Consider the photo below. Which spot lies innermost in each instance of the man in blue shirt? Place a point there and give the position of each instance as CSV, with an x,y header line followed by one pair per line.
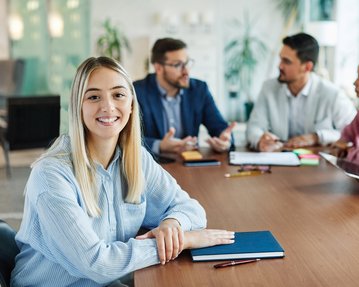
x,y
173,105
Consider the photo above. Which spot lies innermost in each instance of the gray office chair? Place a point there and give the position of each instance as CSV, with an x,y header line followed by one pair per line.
x,y
5,146
11,82
8,252
11,76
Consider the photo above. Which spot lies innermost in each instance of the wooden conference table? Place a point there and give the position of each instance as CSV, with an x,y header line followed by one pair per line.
x,y
313,211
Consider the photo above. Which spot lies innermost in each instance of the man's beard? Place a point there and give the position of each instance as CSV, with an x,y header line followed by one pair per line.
x,y
176,83
280,80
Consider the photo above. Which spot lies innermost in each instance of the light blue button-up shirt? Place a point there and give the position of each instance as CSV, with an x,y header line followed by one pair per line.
x,y
61,245
171,115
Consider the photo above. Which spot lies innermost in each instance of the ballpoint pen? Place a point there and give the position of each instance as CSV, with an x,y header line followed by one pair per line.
x,y
232,263
244,173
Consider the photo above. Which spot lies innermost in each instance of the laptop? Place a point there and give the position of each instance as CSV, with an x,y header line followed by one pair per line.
x,y
349,168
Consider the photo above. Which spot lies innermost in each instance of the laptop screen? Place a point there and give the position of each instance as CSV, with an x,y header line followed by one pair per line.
x,y
349,167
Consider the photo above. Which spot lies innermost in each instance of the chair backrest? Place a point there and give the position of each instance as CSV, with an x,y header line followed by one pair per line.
x,y
11,76
8,251
11,79
32,121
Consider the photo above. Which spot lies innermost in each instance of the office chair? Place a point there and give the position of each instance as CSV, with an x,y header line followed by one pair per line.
x,y
11,80
11,76
31,122
8,251
5,147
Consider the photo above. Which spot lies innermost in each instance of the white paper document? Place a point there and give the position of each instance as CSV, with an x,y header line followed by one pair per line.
x,y
264,158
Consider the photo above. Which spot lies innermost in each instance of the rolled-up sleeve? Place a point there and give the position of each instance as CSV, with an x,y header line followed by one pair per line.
x,y
166,199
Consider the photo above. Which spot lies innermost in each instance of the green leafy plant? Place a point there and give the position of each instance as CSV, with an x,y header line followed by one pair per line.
x,y
242,54
292,10
112,42
293,15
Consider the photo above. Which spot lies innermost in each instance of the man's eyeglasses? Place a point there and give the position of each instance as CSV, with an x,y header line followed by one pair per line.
x,y
180,65
249,167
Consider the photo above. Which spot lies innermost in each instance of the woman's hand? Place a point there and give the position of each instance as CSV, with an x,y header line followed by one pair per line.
x,y
207,237
171,240
169,237
341,147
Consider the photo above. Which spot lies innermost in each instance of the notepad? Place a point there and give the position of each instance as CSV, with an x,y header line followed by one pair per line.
x,y
253,244
301,151
309,159
191,155
306,156
263,158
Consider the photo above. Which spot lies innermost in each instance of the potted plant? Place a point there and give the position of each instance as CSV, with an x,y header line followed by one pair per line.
x,y
292,12
293,15
242,53
112,42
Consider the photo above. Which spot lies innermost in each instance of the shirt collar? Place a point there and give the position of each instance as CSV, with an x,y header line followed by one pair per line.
x,y
163,91
303,92
116,157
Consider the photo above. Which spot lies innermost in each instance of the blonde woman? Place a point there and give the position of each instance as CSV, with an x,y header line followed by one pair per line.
x,y
88,196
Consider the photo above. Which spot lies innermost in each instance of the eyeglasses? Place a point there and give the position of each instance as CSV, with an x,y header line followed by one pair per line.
x,y
262,168
180,65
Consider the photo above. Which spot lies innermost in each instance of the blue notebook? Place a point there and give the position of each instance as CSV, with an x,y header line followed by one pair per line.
x,y
254,244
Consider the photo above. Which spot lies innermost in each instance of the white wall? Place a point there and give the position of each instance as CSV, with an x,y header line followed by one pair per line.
x,y
141,20
267,25
347,52
4,40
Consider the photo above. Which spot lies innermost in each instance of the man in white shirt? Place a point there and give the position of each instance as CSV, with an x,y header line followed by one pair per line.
x,y
298,109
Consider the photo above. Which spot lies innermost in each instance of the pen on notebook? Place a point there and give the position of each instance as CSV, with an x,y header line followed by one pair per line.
x,y
244,173
232,263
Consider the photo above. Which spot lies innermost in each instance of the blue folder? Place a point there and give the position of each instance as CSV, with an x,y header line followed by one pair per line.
x,y
253,244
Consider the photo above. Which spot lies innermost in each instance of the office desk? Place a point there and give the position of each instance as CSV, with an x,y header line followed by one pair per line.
x,y
312,211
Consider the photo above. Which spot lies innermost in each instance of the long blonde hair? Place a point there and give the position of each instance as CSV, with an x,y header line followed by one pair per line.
x,y
129,140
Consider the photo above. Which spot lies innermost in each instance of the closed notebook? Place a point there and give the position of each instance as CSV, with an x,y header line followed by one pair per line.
x,y
254,244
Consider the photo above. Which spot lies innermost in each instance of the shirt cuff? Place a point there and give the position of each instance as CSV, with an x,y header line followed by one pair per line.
x,y
156,146
320,136
327,136
183,220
